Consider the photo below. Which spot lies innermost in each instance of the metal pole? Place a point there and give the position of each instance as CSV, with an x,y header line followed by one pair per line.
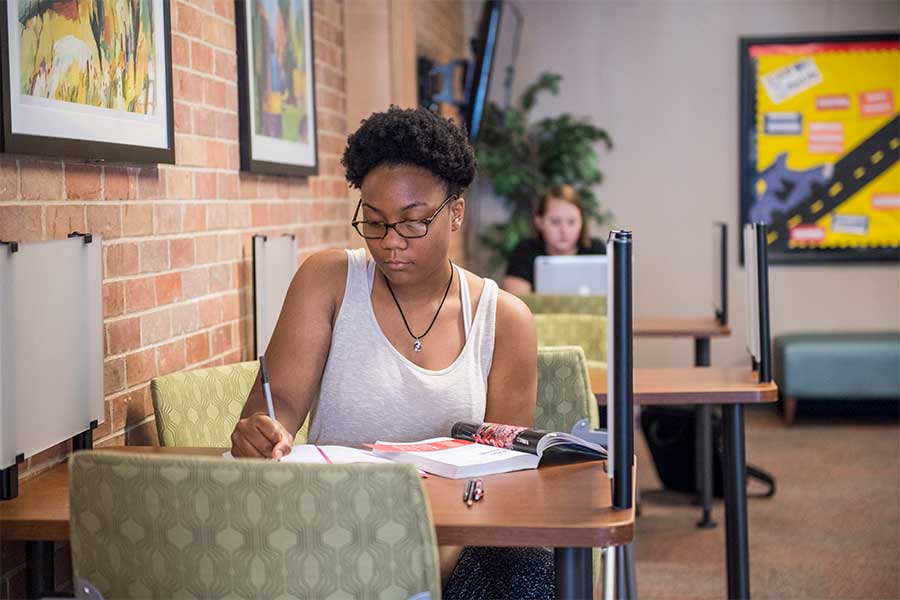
x,y
703,441
762,271
623,389
573,580
39,569
737,552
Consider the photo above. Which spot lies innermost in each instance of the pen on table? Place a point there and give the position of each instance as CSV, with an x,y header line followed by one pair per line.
x,y
267,389
467,495
478,493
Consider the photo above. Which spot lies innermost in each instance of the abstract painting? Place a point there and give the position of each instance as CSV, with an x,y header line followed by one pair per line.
x,y
88,79
277,88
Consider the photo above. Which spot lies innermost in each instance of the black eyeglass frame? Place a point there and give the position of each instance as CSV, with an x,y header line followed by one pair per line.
x,y
356,224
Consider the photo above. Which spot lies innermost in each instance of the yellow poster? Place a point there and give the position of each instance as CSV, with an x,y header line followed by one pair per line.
x,y
823,171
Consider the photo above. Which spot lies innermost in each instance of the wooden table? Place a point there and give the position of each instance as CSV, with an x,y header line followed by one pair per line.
x,y
701,329
565,506
732,388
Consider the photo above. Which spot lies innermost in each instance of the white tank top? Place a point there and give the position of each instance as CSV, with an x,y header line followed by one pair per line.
x,y
370,391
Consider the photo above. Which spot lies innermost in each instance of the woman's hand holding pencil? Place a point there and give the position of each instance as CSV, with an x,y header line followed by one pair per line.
x,y
260,435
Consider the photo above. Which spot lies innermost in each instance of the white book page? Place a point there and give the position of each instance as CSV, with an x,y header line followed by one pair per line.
x,y
322,455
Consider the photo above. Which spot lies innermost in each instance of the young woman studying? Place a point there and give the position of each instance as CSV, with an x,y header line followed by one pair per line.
x,y
400,346
560,229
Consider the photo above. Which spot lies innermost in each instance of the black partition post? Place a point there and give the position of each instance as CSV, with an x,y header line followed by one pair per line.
x,y
762,273
622,394
722,313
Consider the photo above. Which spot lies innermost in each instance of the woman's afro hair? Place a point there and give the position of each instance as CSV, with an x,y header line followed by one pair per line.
x,y
411,137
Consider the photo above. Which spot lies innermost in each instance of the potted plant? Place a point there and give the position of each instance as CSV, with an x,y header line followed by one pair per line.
x,y
524,159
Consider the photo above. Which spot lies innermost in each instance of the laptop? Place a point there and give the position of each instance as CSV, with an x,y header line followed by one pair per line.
x,y
582,275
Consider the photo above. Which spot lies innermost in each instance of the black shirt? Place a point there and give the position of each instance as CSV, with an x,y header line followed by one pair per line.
x,y
521,261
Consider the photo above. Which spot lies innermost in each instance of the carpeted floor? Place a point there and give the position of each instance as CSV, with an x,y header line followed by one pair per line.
x,y
831,531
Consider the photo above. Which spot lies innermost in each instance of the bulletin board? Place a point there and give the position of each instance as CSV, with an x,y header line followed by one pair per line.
x,y
819,145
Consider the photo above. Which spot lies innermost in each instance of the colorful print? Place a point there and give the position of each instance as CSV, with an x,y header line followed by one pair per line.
x,y
280,74
95,52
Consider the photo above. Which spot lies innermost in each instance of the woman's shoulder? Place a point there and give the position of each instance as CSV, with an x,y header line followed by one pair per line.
x,y
324,272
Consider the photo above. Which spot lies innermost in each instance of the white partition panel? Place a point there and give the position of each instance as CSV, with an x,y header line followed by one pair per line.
x,y
51,344
274,264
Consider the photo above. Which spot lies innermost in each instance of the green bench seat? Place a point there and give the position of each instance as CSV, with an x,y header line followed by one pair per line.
x,y
833,366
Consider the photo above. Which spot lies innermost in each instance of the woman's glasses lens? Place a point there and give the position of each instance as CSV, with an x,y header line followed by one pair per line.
x,y
407,229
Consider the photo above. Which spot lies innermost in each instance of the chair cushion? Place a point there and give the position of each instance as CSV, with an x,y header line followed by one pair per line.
x,y
562,303
838,365
587,331
564,390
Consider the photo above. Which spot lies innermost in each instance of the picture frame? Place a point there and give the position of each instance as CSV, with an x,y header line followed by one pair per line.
x,y
818,161
81,81
276,87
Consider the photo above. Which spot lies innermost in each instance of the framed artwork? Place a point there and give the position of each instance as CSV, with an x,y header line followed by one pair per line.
x,y
819,145
90,79
276,87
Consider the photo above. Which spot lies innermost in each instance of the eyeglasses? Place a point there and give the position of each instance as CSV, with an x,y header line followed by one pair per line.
x,y
376,230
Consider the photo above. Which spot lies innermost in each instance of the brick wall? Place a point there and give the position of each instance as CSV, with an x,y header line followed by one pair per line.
x,y
177,238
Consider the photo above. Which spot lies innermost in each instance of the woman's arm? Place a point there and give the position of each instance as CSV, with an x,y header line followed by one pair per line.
x,y
295,358
512,383
516,285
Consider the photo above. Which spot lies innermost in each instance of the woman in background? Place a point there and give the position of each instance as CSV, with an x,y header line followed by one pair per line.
x,y
560,229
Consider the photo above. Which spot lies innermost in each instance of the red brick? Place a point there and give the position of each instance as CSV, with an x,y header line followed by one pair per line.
x,y
124,335
226,125
230,246
249,186
113,299
167,218
148,183
41,180
168,288
181,114
179,184
121,259
219,33
195,217
131,407
170,357
206,249
239,216
137,219
190,151
226,65
180,50
211,311
231,307
201,57
139,294
188,20
117,184
113,375
219,278
217,216
105,220
187,86
154,256
214,92
9,178
220,339
217,154
227,185
182,253
259,215
205,185
185,318
156,326
195,283
20,223
63,219
197,348
204,121
234,157
83,182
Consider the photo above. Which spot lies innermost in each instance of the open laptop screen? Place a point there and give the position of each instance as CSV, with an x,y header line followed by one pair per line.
x,y
581,275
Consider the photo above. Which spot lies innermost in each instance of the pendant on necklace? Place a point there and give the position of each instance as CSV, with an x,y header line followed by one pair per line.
x,y
417,345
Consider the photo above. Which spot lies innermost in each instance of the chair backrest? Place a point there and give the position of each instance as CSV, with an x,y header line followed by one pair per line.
x,y
564,390
561,303
185,526
587,331
201,407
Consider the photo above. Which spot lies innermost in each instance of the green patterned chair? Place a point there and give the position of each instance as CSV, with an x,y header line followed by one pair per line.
x,y
201,407
570,304
200,527
587,331
564,389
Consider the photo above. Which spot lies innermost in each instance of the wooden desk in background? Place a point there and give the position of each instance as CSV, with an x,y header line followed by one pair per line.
x,y
701,329
732,388
567,507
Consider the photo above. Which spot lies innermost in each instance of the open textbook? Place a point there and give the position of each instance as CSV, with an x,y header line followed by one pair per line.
x,y
486,449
